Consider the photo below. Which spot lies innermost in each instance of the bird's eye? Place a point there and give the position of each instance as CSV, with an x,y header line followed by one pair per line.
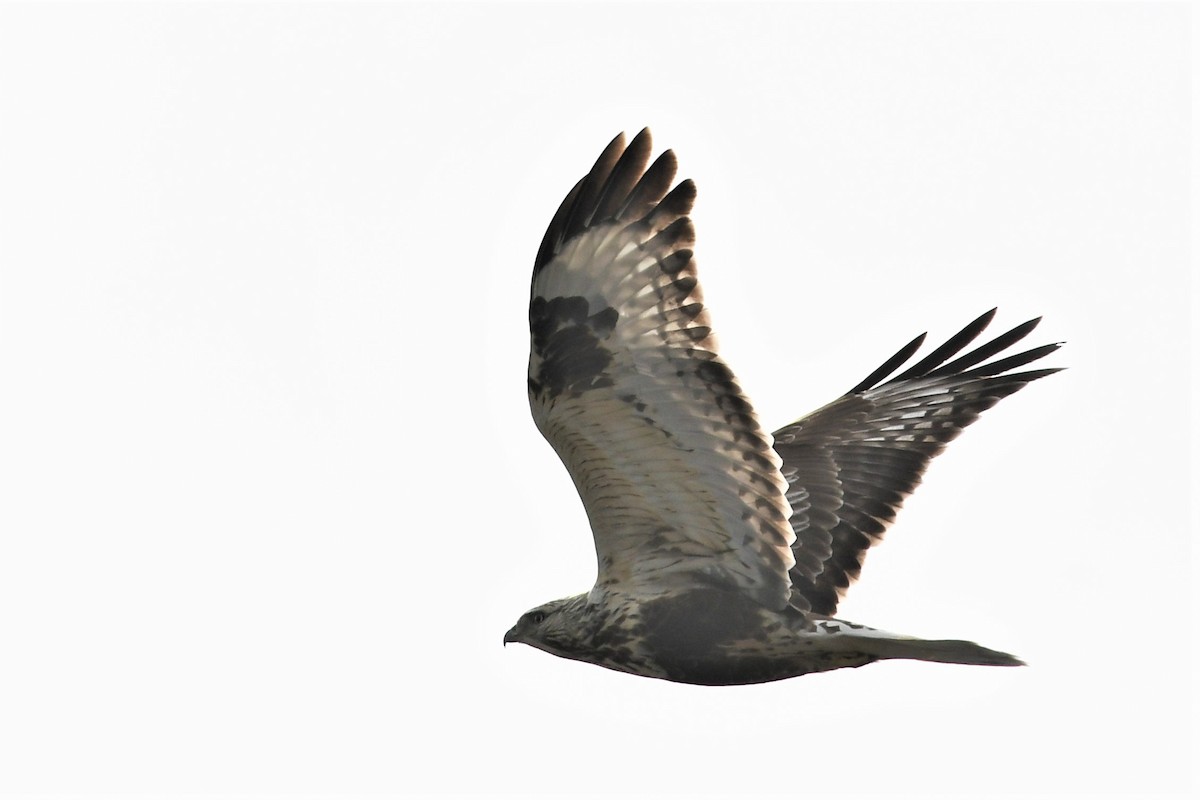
x,y
537,617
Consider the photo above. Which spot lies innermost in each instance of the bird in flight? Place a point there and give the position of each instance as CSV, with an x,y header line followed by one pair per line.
x,y
722,551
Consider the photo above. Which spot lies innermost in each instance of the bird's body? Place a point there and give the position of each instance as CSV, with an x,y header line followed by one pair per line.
x,y
722,551
718,637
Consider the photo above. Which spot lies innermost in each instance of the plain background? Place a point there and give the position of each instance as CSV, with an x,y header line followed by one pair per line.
x,y
271,494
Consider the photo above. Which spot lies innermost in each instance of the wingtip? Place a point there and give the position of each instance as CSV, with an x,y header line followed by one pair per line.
x,y
644,135
1027,327
642,139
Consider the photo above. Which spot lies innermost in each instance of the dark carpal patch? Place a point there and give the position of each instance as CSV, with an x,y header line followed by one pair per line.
x,y
568,338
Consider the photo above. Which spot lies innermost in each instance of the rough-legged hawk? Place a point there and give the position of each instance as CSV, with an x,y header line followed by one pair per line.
x,y
722,551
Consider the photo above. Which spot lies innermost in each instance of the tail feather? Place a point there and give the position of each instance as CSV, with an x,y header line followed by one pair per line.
x,y
946,651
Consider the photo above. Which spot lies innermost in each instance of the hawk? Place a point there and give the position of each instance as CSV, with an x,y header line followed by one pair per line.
x,y
722,551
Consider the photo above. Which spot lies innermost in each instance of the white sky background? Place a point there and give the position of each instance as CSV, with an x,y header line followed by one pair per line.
x,y
271,491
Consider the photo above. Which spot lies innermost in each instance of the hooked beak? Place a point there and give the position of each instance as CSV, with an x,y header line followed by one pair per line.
x,y
511,636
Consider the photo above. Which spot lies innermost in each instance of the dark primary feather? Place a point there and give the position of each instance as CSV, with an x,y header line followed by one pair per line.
x,y
618,187
850,465
952,346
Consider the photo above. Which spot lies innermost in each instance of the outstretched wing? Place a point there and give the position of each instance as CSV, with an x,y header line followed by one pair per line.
x,y
850,465
680,483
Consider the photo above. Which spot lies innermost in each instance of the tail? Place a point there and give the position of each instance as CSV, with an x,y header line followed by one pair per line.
x,y
945,651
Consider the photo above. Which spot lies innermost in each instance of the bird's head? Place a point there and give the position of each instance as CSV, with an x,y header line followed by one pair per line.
x,y
556,627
